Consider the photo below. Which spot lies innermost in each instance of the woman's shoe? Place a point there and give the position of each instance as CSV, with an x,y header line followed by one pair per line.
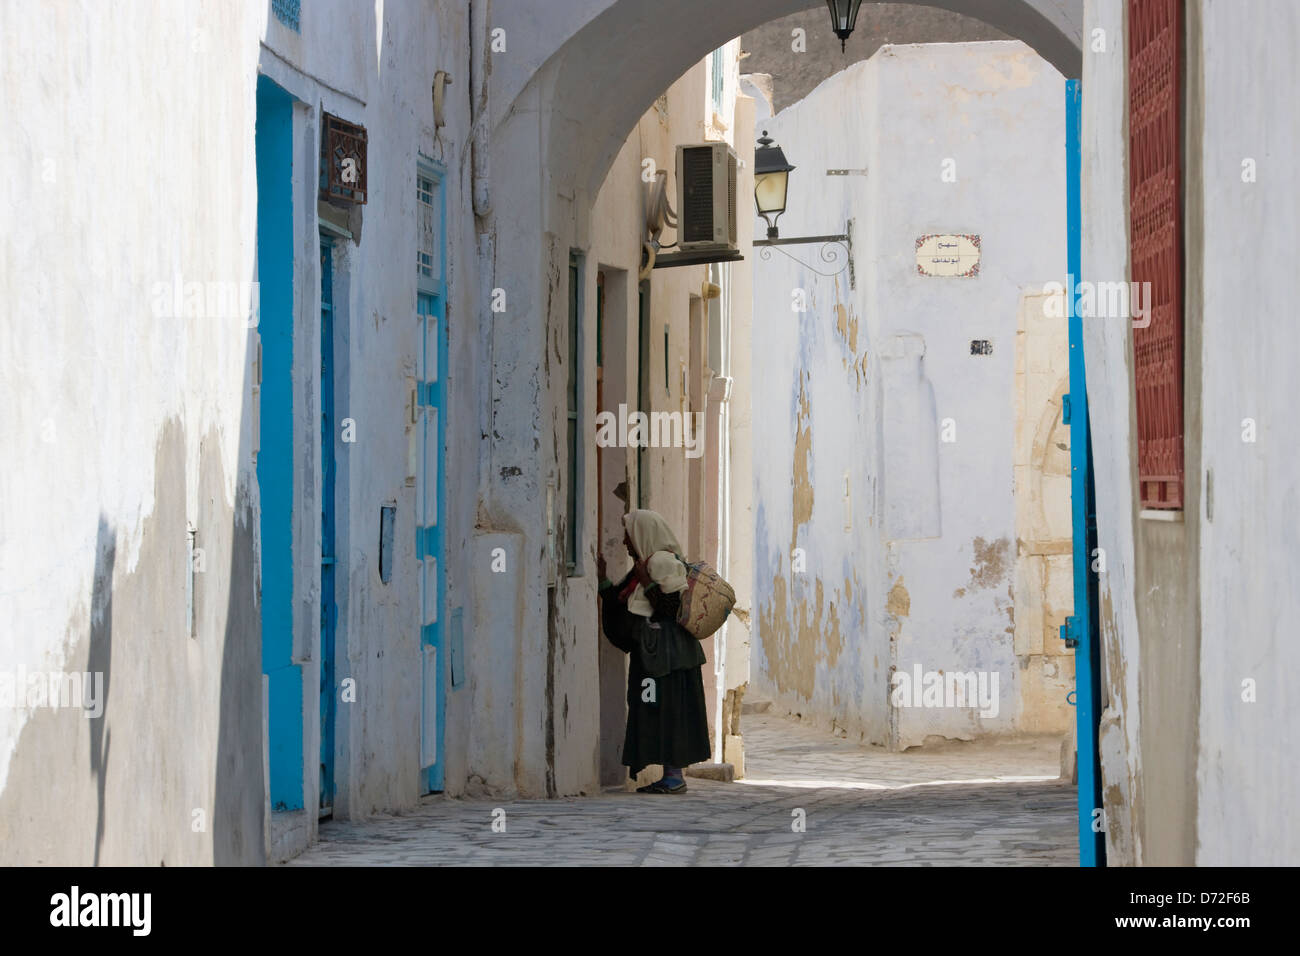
x,y
662,786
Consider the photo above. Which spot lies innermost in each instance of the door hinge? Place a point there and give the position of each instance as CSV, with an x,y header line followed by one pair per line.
x,y
1070,632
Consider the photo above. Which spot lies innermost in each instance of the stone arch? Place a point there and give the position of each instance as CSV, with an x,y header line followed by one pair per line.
x,y
571,83
607,67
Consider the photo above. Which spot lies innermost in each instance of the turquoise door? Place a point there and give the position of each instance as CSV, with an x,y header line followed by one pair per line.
x,y
328,605
274,148
430,315
1082,629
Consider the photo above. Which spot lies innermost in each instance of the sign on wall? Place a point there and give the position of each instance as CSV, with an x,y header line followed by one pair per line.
x,y
948,256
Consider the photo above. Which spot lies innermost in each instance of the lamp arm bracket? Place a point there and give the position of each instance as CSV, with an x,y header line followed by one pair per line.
x,y
829,253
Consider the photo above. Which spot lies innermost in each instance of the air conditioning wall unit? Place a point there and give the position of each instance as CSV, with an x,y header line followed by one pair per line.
x,y
706,198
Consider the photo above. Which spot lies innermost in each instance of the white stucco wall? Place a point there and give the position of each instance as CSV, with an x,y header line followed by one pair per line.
x,y
1247,781
132,425
914,564
1245,501
125,424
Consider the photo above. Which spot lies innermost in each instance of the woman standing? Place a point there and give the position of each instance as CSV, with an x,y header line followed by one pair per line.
x,y
667,718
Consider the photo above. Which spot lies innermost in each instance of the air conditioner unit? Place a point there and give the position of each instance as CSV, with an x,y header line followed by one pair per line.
x,y
706,197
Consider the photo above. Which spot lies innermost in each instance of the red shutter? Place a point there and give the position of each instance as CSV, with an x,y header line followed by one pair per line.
x,y
1156,234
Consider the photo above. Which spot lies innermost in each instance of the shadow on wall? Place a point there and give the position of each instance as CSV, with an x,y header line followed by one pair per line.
x,y
240,811
100,661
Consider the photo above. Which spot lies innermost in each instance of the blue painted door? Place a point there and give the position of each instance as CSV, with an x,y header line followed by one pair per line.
x,y
429,541
328,605
274,147
1081,630
430,315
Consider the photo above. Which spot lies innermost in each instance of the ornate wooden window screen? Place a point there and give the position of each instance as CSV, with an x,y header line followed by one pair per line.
x,y
1156,251
342,161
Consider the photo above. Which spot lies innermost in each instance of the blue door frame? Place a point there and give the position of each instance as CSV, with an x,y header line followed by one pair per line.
x,y
328,605
1081,630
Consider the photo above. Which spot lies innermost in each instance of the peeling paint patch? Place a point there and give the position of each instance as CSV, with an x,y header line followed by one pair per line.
x,y
801,466
800,633
991,562
846,323
899,603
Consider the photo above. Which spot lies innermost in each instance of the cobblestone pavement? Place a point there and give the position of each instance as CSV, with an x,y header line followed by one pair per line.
x,y
962,804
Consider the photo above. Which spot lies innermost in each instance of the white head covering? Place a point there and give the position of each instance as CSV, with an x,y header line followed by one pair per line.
x,y
653,540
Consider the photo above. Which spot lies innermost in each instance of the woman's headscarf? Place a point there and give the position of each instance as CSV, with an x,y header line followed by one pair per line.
x,y
655,542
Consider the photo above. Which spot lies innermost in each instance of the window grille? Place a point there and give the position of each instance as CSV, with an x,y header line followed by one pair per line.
x,y
427,228
342,161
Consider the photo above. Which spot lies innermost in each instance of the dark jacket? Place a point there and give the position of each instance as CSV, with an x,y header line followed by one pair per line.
x,y
667,718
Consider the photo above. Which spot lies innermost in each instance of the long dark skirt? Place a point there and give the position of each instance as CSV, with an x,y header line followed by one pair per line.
x,y
670,726
674,728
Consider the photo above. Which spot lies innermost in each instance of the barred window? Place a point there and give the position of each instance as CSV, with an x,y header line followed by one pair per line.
x,y
427,221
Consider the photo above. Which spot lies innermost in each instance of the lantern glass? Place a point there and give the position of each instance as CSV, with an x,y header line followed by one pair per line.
x,y
769,192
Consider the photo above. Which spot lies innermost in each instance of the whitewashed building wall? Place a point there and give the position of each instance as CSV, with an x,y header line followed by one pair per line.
x,y
887,533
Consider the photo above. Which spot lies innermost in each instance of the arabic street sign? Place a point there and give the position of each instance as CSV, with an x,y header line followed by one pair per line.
x,y
948,256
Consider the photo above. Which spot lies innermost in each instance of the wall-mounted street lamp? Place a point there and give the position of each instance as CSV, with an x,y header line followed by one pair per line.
x,y
771,185
844,16
771,182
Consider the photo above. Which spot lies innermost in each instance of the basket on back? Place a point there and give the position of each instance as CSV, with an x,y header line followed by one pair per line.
x,y
706,602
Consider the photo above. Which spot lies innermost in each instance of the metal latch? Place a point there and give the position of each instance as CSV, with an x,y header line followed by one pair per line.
x,y
1070,632
1065,409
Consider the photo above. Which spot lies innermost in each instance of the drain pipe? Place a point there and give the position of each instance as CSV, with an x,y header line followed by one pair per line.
x,y
722,390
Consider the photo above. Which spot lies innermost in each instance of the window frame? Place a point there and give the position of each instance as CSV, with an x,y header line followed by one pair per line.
x,y
574,393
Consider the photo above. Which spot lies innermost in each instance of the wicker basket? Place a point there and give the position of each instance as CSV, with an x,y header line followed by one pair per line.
x,y
706,602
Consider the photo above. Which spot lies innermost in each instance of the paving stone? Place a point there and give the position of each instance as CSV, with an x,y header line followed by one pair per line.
x,y
997,803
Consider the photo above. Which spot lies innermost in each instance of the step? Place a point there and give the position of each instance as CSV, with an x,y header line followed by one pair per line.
x,y
712,771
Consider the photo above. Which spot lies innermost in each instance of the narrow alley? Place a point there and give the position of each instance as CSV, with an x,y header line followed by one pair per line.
x,y
974,804
649,432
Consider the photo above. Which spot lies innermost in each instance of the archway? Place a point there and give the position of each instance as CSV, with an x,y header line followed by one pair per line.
x,y
576,89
